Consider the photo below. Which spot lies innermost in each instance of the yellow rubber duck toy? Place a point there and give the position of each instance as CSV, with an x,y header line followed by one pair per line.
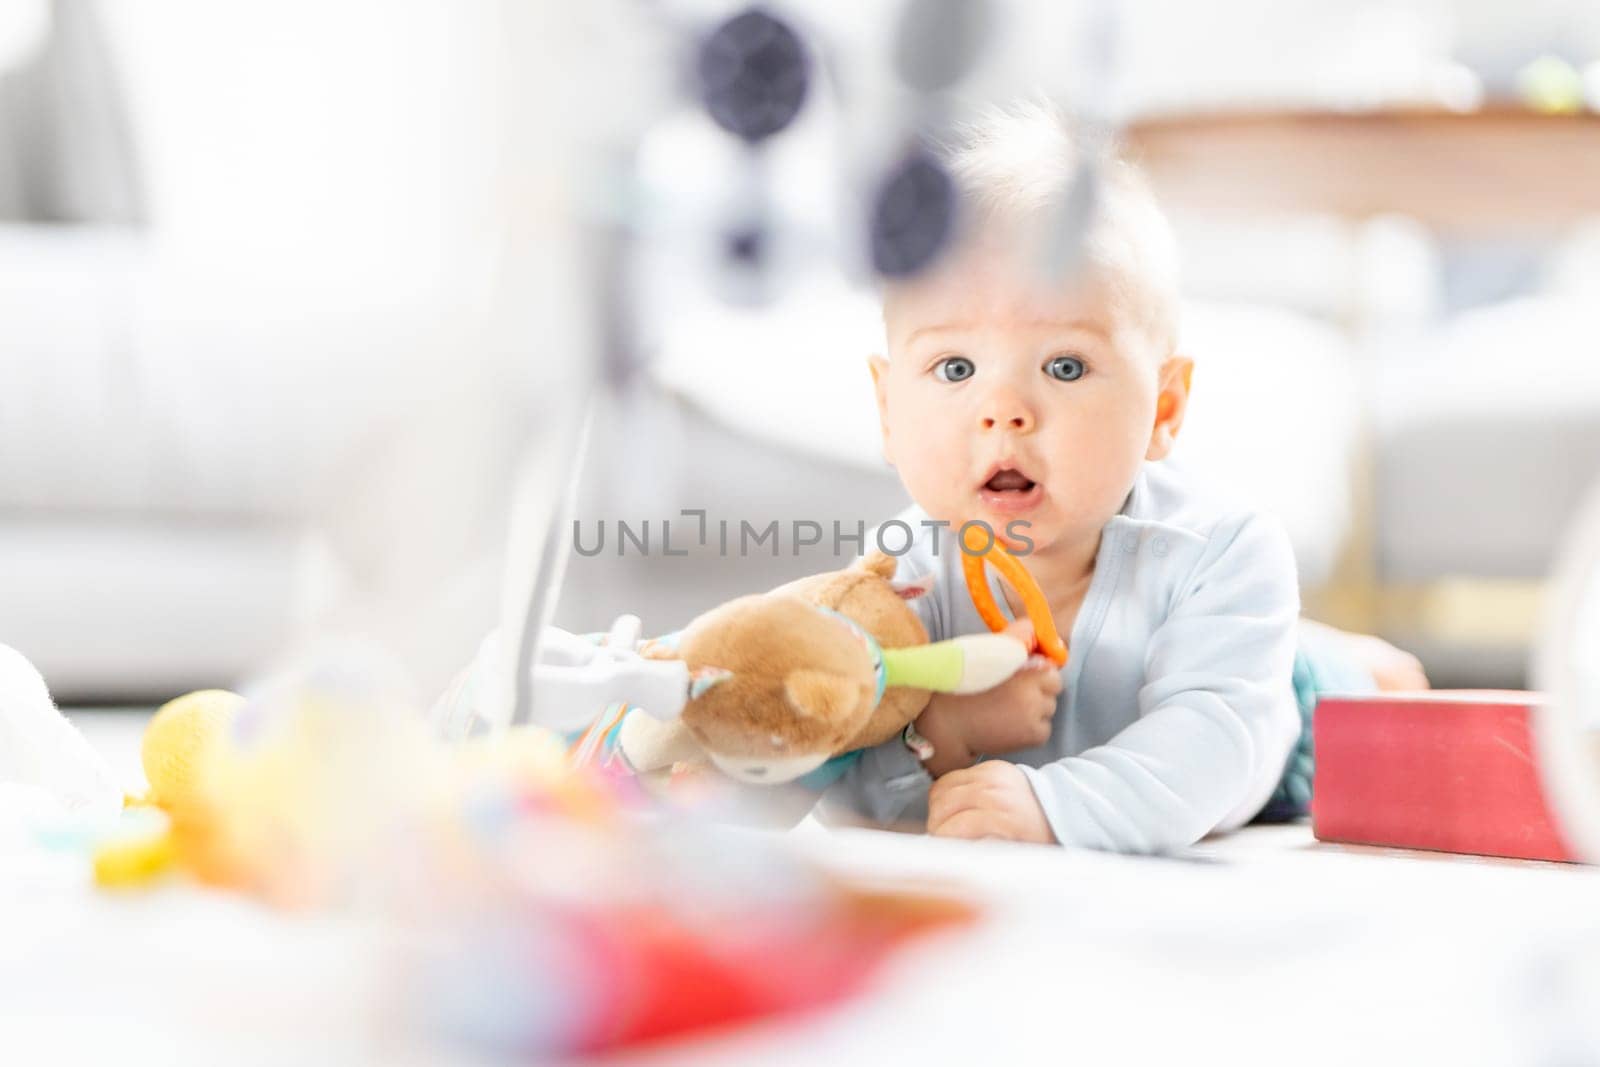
x,y
180,738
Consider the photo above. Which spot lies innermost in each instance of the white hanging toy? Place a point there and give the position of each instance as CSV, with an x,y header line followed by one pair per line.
x,y
576,677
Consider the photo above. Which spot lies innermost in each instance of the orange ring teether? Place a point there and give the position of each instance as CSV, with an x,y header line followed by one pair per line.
x,y
1011,569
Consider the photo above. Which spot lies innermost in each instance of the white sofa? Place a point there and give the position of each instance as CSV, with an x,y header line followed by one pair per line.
x,y
208,346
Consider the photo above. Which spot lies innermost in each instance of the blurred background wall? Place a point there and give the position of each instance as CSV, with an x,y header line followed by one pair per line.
x,y
223,226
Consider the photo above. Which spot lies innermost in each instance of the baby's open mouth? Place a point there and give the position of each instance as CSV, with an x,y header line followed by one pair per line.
x,y
1009,480
1010,491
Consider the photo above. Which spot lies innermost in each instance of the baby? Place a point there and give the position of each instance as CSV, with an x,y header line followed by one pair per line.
x,y
1046,406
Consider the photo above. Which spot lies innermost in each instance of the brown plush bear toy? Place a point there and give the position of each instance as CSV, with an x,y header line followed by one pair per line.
x,y
816,668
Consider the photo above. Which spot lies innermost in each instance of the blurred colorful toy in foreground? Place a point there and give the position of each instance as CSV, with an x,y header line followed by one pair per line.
x,y
549,908
557,935
294,791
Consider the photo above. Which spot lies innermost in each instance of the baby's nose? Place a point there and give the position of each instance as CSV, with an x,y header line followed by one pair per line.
x,y
1006,411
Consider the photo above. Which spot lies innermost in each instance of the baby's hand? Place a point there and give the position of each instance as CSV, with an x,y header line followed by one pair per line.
x,y
992,799
1016,714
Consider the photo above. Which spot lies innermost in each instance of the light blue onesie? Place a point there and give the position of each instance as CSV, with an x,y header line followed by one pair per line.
x,y
1177,714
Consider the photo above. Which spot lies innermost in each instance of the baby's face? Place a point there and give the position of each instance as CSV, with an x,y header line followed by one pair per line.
x,y
1006,399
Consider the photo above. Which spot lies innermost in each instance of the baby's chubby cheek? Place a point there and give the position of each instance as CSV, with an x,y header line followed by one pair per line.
x,y
934,464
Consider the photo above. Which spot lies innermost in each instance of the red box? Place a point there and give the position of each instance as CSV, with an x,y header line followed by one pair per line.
x,y
1447,771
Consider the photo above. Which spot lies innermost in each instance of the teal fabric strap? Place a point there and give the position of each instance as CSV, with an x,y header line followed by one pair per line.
x,y
820,779
873,649
824,776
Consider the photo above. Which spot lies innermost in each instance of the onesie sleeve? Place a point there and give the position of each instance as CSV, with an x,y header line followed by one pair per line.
x,y
1217,717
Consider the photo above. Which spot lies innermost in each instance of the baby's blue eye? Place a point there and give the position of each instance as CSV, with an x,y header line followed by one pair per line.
x,y
1065,368
954,369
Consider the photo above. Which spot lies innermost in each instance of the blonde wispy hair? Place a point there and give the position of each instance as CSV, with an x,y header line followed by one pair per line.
x,y
1015,167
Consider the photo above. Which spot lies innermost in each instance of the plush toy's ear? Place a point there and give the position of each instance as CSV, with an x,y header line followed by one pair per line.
x,y
912,588
818,694
701,679
880,563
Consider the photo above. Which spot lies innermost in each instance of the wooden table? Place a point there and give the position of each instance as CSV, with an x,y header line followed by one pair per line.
x,y
1497,170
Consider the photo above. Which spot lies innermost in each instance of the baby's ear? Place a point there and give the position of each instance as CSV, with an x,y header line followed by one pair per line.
x,y
1172,404
879,366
